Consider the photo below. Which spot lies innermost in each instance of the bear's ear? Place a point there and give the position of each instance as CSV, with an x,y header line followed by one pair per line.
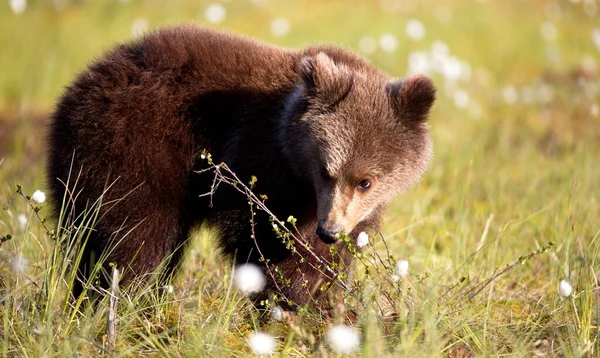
x,y
412,98
325,79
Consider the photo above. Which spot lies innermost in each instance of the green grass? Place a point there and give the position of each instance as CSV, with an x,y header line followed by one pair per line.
x,y
527,170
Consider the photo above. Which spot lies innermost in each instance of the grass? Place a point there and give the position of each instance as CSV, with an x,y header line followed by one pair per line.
x,y
508,179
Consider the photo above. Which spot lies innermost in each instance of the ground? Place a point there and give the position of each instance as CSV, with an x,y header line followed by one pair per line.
x,y
516,133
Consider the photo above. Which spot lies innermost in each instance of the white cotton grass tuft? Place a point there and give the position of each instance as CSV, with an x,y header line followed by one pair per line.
x,y
343,339
249,278
139,26
18,6
388,42
262,344
168,288
564,289
402,268
510,94
415,29
38,197
362,239
22,218
277,313
367,45
19,265
215,13
280,27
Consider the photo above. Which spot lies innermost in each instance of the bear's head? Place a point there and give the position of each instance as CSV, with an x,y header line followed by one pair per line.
x,y
357,135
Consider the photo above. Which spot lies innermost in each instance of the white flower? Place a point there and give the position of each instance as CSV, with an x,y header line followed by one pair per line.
x,y
22,220
17,6
38,197
139,26
19,265
262,344
280,27
564,289
249,278
415,29
362,239
168,288
343,339
594,110
277,313
215,13
388,42
402,268
367,45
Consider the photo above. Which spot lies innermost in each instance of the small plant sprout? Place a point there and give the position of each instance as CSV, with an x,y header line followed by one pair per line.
x,y
249,278
262,344
38,197
402,268
343,339
564,289
362,240
277,313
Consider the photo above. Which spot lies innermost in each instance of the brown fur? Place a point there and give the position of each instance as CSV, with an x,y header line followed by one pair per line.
x,y
309,124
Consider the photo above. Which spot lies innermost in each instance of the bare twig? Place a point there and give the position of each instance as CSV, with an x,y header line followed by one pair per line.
x,y
111,323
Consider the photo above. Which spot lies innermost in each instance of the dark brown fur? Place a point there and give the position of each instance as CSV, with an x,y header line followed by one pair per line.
x,y
138,119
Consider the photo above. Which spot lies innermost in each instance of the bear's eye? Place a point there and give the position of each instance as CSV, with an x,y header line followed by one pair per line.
x,y
364,185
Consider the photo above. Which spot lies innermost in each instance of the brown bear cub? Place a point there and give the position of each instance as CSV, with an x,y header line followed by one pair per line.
x,y
331,139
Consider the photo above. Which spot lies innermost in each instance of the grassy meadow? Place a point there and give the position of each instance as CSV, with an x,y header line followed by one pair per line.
x,y
509,208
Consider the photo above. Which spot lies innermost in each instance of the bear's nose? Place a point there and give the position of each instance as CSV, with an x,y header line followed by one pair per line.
x,y
326,234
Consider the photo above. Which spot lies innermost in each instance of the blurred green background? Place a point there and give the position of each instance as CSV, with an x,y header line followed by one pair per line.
x,y
516,131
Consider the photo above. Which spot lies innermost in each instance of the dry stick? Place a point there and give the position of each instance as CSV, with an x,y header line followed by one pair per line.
x,y
111,323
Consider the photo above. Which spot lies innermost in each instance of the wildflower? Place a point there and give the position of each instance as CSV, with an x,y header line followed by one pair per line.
x,y
343,339
367,45
415,29
38,197
362,239
139,26
249,278
280,27
388,42
168,288
17,6
215,13
262,344
22,220
277,313
564,289
402,268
